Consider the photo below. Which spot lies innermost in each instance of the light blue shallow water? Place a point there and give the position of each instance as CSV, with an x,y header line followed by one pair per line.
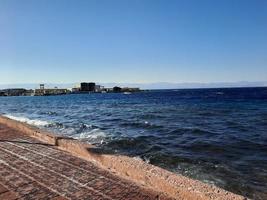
x,y
214,135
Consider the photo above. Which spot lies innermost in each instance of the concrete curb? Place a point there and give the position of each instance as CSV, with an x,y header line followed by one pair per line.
x,y
136,170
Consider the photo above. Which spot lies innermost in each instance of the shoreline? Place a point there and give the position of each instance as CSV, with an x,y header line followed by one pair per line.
x,y
135,170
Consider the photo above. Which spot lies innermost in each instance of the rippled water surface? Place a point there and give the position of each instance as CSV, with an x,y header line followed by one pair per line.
x,y
218,136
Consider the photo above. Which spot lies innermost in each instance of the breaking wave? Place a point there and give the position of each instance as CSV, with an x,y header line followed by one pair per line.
x,y
35,122
95,136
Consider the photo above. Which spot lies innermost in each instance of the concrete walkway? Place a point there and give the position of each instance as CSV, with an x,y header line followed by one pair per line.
x,y
30,169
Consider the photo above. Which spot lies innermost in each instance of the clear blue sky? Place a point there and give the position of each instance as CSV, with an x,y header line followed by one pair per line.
x,y
137,41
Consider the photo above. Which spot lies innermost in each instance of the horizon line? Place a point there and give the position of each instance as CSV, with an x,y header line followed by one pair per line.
x,y
155,82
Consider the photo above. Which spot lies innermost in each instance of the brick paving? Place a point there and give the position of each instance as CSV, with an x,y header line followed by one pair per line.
x,y
30,169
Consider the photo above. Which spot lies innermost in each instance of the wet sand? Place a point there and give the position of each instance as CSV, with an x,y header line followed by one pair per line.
x,y
35,164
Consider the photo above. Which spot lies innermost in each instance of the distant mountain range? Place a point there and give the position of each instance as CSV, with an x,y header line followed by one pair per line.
x,y
158,85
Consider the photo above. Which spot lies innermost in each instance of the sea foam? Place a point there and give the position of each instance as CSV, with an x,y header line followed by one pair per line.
x,y
93,134
35,122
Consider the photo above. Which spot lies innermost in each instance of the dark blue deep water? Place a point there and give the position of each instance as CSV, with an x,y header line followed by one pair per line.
x,y
218,136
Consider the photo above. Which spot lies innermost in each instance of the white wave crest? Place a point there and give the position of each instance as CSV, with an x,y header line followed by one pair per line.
x,y
35,122
93,134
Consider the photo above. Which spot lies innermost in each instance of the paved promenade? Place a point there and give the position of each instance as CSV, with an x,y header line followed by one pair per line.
x,y
30,169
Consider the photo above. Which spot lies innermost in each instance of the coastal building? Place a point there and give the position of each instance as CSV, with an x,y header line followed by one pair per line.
x,y
108,90
13,92
41,86
42,91
16,92
127,89
29,93
2,93
75,90
87,87
48,92
117,89
98,88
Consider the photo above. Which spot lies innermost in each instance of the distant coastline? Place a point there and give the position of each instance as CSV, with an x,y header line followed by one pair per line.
x,y
82,88
116,89
156,85
127,88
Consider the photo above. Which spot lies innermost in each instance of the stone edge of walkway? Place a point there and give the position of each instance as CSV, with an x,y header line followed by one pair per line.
x,y
135,170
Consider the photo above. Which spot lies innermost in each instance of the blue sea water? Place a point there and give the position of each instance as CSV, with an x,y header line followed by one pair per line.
x,y
218,136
